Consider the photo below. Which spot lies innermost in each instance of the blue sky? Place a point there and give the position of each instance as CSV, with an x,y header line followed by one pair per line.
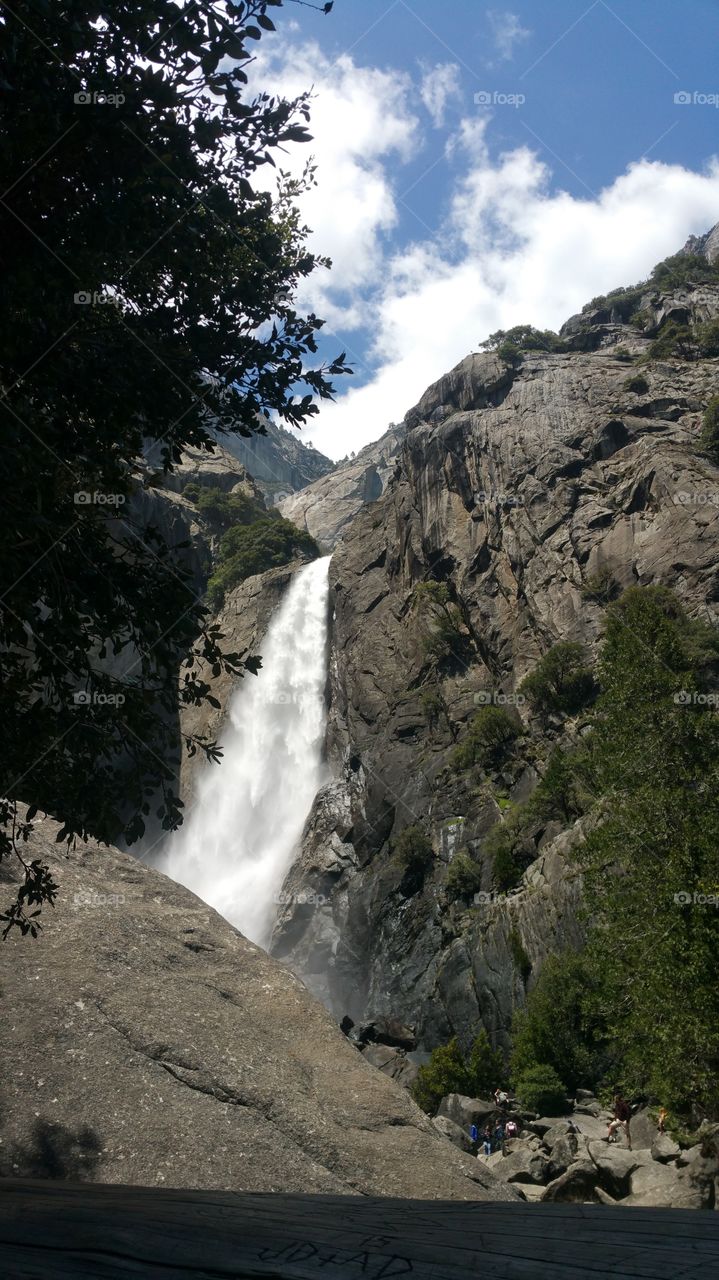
x,y
480,165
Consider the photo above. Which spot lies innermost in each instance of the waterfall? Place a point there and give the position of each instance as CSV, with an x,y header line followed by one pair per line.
x,y
243,832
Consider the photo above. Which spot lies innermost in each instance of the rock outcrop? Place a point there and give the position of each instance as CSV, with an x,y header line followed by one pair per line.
x,y
528,491
327,507
278,460
145,1041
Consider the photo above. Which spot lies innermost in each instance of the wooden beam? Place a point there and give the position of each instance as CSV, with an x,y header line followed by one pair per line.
x,y
59,1230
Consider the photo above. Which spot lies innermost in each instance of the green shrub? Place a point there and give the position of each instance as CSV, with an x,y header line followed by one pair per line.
x,y
601,587
674,342
464,876
433,706
415,855
521,960
559,794
561,683
709,438
488,740
707,338
448,1072
510,848
248,549
540,1089
637,384
555,1027
510,343
444,634
191,491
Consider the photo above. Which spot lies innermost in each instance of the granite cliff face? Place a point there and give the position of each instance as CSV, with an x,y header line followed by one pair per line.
x,y
326,507
278,461
521,488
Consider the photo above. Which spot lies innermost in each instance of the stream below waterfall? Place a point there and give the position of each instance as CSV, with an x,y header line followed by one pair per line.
x,y
242,835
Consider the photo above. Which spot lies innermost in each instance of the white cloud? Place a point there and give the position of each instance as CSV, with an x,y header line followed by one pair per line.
x,y
512,251
512,247
440,85
363,129
507,31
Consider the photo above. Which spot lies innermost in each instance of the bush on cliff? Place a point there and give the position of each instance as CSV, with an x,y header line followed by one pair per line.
x,y
561,683
267,543
488,740
464,877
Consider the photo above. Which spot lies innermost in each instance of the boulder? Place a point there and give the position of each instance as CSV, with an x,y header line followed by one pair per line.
x,y
643,1129
521,1165
616,1165
390,1031
393,1062
576,1185
565,1151
453,1133
585,1095
466,1111
665,1148
147,1042
665,1186
545,1123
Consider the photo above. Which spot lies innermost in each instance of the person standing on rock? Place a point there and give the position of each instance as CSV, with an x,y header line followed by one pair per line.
x,y
487,1140
499,1136
663,1113
622,1116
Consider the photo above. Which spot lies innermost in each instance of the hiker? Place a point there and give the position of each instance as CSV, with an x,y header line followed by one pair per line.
x,y
511,1130
487,1140
499,1137
622,1116
474,1134
501,1097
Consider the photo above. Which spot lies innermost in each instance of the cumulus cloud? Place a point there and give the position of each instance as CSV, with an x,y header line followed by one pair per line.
x,y
363,129
507,31
440,85
513,251
511,246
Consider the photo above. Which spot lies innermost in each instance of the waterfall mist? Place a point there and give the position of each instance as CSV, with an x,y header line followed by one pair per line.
x,y
242,834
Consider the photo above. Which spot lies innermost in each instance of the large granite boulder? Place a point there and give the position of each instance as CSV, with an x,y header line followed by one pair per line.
x,y
146,1041
466,1111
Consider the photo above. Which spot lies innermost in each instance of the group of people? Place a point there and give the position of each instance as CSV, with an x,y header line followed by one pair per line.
x,y
493,1139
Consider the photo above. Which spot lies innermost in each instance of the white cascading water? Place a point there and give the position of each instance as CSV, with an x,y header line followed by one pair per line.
x,y
242,835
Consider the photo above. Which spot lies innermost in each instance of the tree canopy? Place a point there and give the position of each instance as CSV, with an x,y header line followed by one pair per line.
x,y
148,278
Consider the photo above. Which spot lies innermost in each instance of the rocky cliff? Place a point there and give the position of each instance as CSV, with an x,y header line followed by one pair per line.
x,y
530,488
147,1042
278,461
327,506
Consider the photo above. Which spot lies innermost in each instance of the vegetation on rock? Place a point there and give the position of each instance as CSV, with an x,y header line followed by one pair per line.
x,y
448,1071
561,683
